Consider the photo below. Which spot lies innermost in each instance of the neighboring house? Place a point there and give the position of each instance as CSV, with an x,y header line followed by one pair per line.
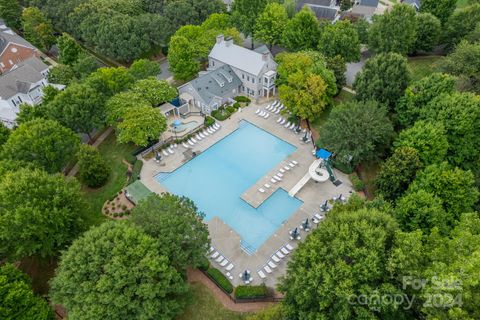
x,y
23,84
414,3
13,49
323,9
232,70
365,8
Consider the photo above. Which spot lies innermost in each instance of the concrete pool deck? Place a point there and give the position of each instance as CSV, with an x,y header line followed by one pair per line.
x,y
227,241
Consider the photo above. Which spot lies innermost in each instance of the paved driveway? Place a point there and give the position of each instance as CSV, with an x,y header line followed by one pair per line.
x,y
355,67
165,70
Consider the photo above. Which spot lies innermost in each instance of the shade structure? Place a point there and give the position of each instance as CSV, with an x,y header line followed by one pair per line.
x,y
323,154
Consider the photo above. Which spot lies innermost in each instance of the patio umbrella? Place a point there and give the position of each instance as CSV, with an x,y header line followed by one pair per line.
x,y
324,206
245,275
305,137
295,233
306,224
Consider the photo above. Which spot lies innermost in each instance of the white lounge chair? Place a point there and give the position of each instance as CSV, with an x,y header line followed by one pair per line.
x,y
211,249
266,185
286,168
291,165
280,255
261,190
319,217
215,255
219,259
283,121
210,130
284,250
185,145
224,263
279,174
267,269
273,180
289,247
268,107
278,111
277,177
216,126
267,115
282,170
190,142
294,162
271,264
201,135
165,153
288,124
229,275
197,136
193,140
276,259
292,126
257,112
275,103
279,119
175,145
205,133
261,274
170,150
229,267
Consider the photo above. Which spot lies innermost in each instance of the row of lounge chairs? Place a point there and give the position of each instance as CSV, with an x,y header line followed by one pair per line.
x,y
290,125
170,150
222,261
275,107
262,114
275,259
279,175
201,135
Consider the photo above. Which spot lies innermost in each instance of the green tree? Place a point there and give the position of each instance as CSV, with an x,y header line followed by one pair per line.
x,y
245,14
464,62
394,31
68,49
454,187
397,172
362,27
340,39
460,115
85,65
29,112
428,32
177,225
421,210
428,138
155,91
384,79
182,58
290,7
14,165
419,94
4,134
119,104
462,22
39,213
10,11
18,300
185,12
305,85
143,68
302,31
37,29
109,81
45,143
357,130
442,9
92,168
345,257
116,262
61,74
270,24
339,68
78,107
346,4
140,125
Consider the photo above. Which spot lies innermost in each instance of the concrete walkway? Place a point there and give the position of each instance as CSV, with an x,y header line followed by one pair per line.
x,y
73,172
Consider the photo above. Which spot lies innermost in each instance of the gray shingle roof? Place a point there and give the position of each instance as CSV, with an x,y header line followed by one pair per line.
x,y
20,79
324,3
6,38
369,3
321,11
209,86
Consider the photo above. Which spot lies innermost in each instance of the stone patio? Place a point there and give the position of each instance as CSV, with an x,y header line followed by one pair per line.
x,y
227,241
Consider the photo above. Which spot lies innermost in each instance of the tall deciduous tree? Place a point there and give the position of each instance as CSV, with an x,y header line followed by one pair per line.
x,y
442,9
302,31
340,39
339,68
10,11
177,225
37,29
4,134
18,300
92,168
419,94
270,24
394,31
397,172
115,271
464,62
462,22
141,125
384,79
155,91
109,81
245,14
61,74
69,50
360,131
78,107
428,32
40,214
119,104
143,68
184,12
45,143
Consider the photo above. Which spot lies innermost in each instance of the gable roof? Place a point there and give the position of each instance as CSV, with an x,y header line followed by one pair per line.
x,y
368,3
321,11
239,57
216,83
20,79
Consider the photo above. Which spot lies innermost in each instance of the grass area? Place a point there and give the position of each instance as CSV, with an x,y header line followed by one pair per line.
x,y
114,154
203,305
421,67
368,173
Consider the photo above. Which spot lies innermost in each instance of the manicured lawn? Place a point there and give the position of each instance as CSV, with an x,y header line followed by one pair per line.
x,y
203,305
421,67
114,154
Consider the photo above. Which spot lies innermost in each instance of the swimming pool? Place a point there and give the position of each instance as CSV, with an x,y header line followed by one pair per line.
x,y
184,126
217,178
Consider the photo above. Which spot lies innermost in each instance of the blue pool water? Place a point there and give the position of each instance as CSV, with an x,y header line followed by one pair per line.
x,y
217,178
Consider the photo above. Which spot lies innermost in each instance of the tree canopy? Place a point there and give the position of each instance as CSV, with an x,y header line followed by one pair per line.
x,y
37,29
428,32
302,31
155,91
360,131
143,68
18,300
92,168
44,143
39,213
140,125
442,9
115,271
271,23
178,227
464,62
4,134
10,11
245,14
340,38
461,23
384,79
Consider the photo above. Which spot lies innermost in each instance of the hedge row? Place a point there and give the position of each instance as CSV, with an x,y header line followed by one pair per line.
x,y
251,292
220,279
209,121
242,99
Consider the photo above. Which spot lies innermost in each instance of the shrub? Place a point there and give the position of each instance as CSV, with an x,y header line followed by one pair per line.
x,y
115,214
204,264
357,183
124,207
220,114
220,279
209,121
242,99
131,158
345,168
236,105
231,109
93,170
251,292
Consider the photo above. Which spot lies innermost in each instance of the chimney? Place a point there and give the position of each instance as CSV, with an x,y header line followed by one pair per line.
x,y
265,56
220,38
228,42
